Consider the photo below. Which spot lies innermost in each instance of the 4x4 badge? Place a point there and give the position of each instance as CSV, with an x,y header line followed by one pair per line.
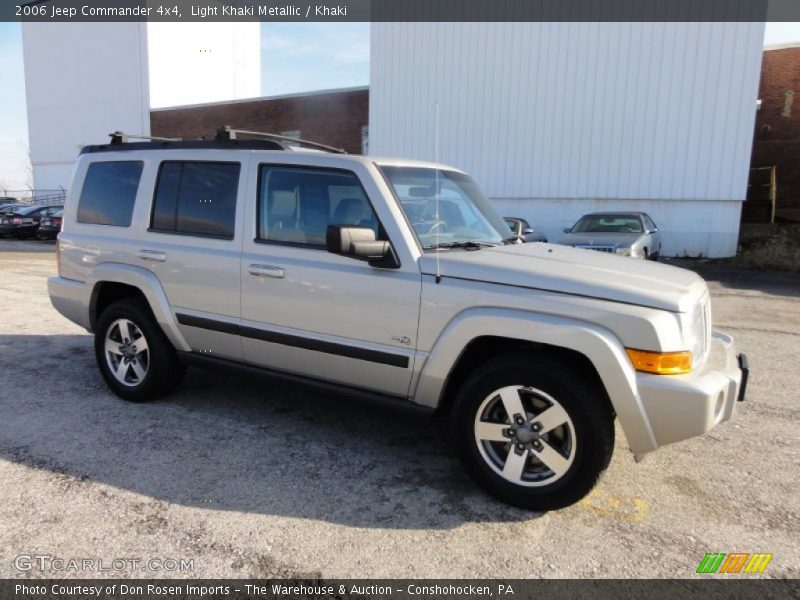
x,y
405,340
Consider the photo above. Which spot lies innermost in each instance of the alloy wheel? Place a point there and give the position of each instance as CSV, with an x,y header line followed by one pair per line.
x,y
525,436
127,353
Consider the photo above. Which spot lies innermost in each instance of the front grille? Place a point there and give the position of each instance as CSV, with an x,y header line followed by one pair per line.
x,y
597,248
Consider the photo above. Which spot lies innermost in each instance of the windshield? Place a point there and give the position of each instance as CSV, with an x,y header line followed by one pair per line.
x,y
608,224
464,213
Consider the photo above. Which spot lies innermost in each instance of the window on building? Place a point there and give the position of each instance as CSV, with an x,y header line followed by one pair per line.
x,y
196,198
296,204
109,193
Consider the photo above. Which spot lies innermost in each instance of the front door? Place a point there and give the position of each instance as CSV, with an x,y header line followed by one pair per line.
x,y
317,314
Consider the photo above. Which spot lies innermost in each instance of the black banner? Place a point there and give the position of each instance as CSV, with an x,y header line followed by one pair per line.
x,y
408,589
400,10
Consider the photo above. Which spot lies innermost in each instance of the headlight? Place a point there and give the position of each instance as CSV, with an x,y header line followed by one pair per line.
x,y
624,251
695,330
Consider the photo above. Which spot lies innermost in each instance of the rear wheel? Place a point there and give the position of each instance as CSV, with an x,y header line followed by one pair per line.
x,y
135,358
532,432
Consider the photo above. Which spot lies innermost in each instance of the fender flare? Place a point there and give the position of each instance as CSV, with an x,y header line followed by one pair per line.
x,y
598,345
150,286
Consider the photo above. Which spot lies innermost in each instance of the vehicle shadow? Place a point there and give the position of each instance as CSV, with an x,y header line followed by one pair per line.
x,y
733,277
224,442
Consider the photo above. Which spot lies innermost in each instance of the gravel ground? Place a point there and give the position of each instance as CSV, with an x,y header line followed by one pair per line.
x,y
253,478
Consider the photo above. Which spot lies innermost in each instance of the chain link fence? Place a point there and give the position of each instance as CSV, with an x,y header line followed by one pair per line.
x,y
34,196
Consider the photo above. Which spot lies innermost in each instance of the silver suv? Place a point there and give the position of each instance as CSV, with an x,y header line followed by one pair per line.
x,y
388,278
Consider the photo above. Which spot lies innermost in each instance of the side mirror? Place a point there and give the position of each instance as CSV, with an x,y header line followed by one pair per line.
x,y
527,231
360,243
653,230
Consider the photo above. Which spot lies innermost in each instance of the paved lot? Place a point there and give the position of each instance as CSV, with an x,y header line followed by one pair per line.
x,y
257,478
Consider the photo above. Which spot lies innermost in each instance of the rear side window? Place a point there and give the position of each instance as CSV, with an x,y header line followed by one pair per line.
x,y
196,198
109,193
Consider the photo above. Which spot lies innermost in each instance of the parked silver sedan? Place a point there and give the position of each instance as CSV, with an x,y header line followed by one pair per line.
x,y
626,233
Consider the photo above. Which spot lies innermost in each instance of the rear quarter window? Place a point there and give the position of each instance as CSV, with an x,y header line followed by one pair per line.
x,y
109,193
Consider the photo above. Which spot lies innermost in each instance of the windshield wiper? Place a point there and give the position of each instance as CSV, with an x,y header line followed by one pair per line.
x,y
466,244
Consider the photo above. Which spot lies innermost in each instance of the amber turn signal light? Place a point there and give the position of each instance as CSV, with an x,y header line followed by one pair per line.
x,y
661,363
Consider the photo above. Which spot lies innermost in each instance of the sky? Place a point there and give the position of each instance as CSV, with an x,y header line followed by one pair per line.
x,y
296,57
13,118
299,57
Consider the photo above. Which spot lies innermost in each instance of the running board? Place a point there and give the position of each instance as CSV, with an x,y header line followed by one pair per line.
x,y
193,359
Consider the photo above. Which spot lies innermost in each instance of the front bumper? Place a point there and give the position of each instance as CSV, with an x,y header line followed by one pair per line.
x,y
679,407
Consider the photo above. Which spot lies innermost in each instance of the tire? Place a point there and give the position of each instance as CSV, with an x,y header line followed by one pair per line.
x,y
584,441
142,373
645,255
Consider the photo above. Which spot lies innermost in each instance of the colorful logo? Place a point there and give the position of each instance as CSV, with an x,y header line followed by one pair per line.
x,y
736,562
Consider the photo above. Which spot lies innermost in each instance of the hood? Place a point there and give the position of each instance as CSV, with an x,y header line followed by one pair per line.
x,y
573,271
622,240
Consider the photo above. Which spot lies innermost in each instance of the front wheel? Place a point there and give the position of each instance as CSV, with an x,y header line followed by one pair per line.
x,y
532,432
136,359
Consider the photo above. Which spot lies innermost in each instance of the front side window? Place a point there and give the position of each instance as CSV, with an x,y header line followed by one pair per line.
x,y
196,198
513,225
296,204
455,212
109,193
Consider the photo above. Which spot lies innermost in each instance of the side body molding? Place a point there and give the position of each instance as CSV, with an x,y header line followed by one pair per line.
x,y
599,345
150,286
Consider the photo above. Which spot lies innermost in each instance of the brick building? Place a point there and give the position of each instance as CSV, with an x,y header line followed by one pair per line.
x,y
777,132
338,118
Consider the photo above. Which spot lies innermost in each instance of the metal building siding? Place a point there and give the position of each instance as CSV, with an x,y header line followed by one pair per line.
x,y
573,110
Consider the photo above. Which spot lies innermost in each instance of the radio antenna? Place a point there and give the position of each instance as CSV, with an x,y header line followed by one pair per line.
x,y
436,189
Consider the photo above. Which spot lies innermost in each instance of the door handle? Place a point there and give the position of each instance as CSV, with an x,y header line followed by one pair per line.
x,y
266,271
152,255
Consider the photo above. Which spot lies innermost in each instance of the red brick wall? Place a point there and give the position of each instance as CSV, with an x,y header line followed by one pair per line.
x,y
333,118
780,73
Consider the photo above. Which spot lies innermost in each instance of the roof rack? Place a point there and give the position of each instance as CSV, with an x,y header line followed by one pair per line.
x,y
120,137
227,133
226,138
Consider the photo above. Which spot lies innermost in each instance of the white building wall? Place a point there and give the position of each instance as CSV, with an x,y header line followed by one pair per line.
x,y
83,81
558,119
86,80
196,63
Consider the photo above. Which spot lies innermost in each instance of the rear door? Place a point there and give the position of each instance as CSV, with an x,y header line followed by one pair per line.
x,y
191,240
